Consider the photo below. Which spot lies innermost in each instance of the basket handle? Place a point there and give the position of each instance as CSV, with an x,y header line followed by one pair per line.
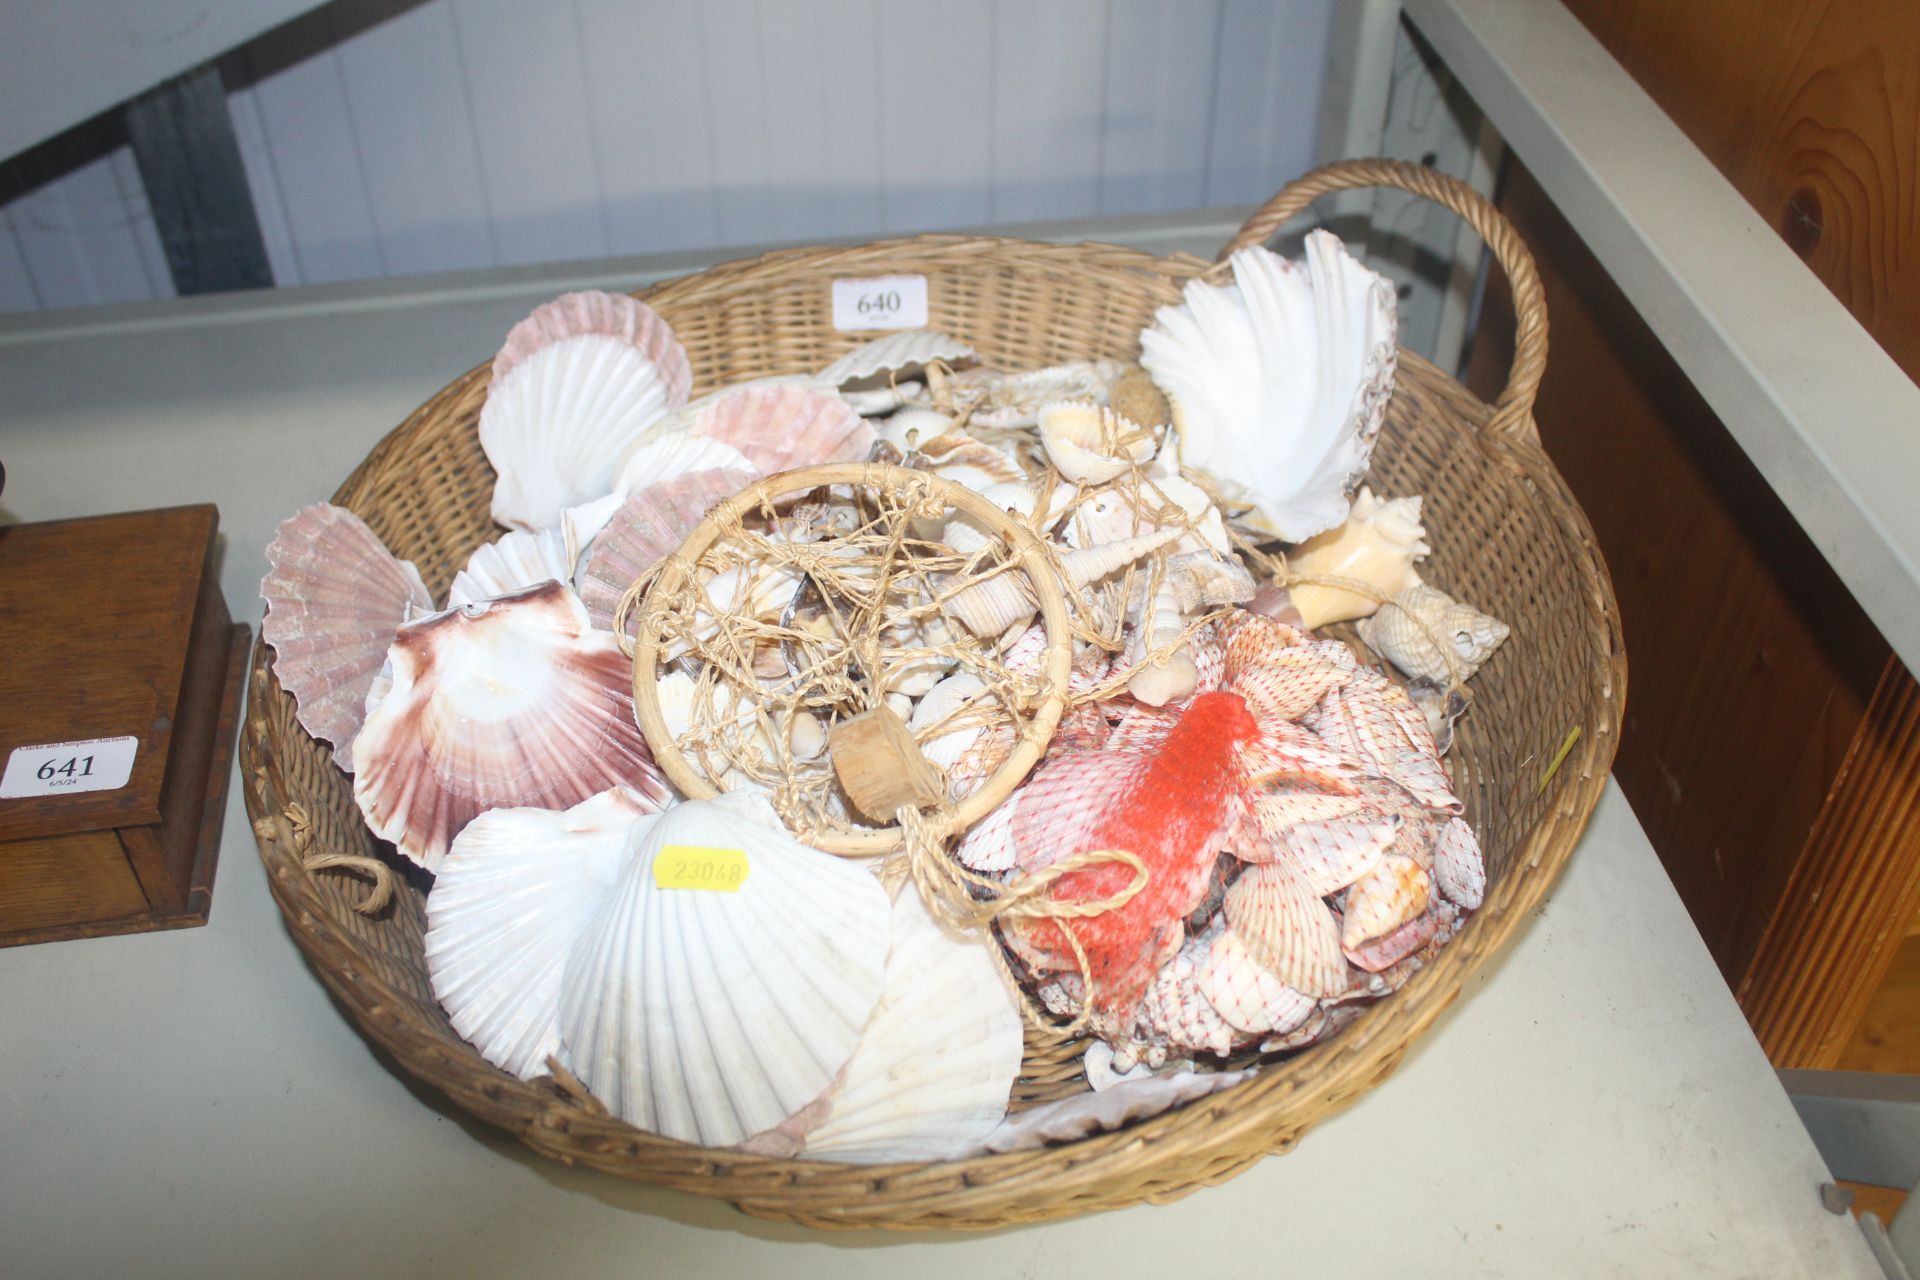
x,y
1513,411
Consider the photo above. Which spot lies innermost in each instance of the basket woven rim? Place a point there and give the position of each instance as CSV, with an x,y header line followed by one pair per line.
x,y
1264,1114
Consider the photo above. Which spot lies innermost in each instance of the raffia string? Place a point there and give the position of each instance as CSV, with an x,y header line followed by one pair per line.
x,y
299,834
966,900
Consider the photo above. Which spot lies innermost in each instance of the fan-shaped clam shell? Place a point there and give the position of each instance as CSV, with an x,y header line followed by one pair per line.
x,y
1246,993
932,1072
1280,381
783,425
1015,399
1372,721
335,597
515,890
556,424
1075,1117
1287,928
1410,631
713,1015
513,562
1089,444
1458,869
964,460
1376,545
646,528
1383,900
613,315
510,702
896,355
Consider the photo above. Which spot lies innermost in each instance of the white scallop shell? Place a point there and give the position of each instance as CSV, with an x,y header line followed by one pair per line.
x,y
1089,444
1376,545
517,887
1409,632
660,458
966,461
1075,1117
712,1016
555,426
883,399
613,315
935,1065
335,597
1279,382
509,702
897,354
516,560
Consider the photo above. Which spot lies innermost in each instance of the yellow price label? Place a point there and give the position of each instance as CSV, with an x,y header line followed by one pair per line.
x,y
692,866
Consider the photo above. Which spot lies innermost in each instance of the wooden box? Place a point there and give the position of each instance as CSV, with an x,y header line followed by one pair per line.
x,y
113,629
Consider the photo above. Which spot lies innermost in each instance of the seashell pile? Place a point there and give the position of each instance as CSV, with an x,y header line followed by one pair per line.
x,y
1240,832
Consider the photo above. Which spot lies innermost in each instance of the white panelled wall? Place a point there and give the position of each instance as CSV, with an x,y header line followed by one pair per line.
x,y
386,138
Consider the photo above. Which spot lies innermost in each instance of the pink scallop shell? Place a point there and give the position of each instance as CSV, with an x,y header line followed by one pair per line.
x,y
335,597
783,426
646,528
615,314
505,703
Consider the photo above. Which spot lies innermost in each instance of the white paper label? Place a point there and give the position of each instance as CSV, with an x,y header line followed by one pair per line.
x,y
880,302
96,764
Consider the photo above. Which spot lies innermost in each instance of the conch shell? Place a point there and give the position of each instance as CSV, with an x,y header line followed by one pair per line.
x,y
1377,545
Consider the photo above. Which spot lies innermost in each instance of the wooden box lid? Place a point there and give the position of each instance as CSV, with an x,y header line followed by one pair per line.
x,y
95,619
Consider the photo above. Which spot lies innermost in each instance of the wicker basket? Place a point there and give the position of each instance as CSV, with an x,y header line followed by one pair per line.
x,y
1529,760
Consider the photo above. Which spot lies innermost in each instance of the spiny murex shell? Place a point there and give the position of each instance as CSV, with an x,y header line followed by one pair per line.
x,y
1400,634
1279,382
710,1015
335,597
515,701
515,891
1376,545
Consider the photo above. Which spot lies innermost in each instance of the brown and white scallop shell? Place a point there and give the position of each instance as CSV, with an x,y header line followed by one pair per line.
x,y
335,597
514,702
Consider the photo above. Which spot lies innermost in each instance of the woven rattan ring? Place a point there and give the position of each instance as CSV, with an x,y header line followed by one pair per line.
x,y
878,559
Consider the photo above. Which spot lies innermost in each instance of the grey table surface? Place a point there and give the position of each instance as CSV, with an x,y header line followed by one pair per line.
x,y
193,1104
